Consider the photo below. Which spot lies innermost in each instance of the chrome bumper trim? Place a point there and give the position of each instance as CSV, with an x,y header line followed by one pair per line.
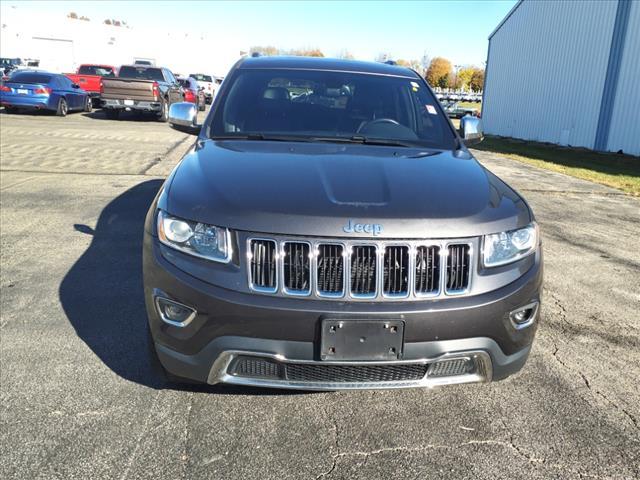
x,y
482,373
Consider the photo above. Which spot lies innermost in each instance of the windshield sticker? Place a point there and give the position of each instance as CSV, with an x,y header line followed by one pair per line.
x,y
431,109
415,85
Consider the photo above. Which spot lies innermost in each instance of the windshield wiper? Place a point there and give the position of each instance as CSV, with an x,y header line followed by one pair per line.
x,y
358,139
366,140
262,136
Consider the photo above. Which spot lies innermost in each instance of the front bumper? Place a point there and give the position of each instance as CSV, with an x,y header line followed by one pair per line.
x,y
286,331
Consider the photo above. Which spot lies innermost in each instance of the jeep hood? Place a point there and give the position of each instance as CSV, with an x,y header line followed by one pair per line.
x,y
315,189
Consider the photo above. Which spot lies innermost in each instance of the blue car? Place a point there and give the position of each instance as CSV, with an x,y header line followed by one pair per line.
x,y
36,90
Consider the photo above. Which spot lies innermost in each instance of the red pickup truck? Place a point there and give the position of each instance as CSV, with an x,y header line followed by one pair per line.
x,y
89,77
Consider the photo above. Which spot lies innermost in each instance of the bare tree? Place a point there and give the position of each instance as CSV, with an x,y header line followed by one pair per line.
x,y
346,54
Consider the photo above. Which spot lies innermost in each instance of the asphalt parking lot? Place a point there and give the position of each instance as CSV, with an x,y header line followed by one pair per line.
x,y
80,400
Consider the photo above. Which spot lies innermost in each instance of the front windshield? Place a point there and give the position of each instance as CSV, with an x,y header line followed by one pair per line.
x,y
331,105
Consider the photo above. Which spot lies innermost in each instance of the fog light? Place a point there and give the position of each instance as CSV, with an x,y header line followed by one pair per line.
x,y
524,316
174,313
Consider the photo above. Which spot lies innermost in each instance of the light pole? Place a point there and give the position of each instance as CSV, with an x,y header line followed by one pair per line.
x,y
455,79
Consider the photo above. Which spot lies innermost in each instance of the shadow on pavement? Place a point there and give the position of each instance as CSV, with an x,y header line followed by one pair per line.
x,y
102,294
124,116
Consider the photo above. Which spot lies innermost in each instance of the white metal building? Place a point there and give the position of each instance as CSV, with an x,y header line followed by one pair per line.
x,y
61,44
566,72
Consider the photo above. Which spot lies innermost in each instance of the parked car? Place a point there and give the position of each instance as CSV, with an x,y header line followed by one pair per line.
x,y
89,77
140,88
207,83
193,93
39,90
455,110
347,241
8,65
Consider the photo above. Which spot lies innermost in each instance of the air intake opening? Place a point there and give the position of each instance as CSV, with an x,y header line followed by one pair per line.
x,y
451,368
427,270
330,274
458,264
396,271
363,271
297,278
263,265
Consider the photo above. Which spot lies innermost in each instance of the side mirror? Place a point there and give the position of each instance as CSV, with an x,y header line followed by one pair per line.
x,y
75,85
471,130
183,116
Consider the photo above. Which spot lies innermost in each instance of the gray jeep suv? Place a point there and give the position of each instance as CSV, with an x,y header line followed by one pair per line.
x,y
330,230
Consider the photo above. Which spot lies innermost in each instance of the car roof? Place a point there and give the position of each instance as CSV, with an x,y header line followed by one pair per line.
x,y
43,72
320,63
140,65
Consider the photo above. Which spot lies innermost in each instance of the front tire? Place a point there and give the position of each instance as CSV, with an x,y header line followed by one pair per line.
x,y
11,109
63,108
88,105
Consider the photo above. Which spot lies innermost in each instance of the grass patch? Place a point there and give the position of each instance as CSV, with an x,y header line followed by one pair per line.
x,y
611,169
471,105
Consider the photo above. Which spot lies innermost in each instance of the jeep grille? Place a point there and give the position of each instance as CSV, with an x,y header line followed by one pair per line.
x,y
359,269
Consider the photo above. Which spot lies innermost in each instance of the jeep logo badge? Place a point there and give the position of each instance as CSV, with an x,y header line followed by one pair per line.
x,y
374,228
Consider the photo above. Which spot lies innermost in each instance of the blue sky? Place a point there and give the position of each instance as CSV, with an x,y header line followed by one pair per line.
x,y
457,30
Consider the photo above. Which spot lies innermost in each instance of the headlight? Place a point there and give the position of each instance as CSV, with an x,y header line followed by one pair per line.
x,y
198,239
507,247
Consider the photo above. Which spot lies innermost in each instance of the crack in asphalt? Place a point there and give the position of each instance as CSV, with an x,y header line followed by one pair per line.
x,y
158,159
184,458
143,432
19,182
423,448
563,319
151,164
336,445
367,454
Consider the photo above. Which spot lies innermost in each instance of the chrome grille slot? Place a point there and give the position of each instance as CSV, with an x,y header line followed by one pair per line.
x,y
330,270
297,265
427,270
458,263
363,270
263,265
396,271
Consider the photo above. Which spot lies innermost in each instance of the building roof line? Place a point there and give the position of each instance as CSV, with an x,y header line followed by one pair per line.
x,y
515,7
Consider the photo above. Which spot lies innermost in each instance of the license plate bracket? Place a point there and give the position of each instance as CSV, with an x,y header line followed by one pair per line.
x,y
22,91
361,340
